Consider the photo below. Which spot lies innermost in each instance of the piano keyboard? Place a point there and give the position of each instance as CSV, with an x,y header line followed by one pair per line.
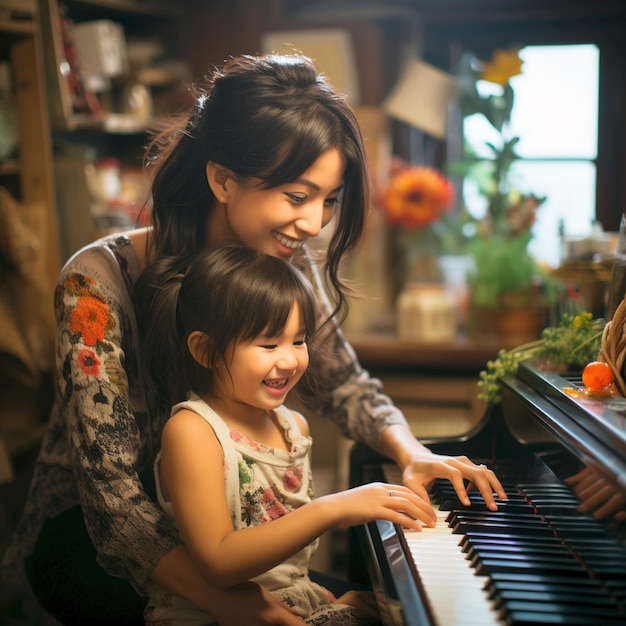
x,y
535,561
443,568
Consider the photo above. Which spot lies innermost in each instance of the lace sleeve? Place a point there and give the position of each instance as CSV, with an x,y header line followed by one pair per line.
x,y
110,438
348,396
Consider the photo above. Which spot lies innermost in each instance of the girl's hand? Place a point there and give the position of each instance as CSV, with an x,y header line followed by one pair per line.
x,y
395,503
424,468
251,604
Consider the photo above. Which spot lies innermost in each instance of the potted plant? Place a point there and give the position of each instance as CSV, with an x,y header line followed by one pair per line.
x,y
569,346
509,290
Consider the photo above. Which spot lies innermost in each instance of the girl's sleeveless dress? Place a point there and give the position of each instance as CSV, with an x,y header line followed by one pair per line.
x,y
262,484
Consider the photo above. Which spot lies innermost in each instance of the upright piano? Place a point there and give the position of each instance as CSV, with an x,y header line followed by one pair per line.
x,y
554,553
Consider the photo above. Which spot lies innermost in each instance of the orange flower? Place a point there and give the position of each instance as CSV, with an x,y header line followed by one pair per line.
x,y
90,318
417,197
503,65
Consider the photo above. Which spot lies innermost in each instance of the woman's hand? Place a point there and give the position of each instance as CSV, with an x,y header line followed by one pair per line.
x,y
420,467
424,468
599,495
251,604
363,601
247,603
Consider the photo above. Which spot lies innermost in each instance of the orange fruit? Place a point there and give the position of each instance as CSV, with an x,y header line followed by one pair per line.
x,y
597,375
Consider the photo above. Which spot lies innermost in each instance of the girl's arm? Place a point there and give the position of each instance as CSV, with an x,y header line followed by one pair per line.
x,y
192,474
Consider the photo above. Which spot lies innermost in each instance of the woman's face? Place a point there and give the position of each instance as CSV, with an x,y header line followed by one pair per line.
x,y
279,220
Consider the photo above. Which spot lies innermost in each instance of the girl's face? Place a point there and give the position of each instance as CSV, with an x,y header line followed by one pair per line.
x,y
261,371
279,220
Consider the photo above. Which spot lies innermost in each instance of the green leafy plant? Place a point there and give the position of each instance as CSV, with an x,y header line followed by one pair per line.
x,y
572,344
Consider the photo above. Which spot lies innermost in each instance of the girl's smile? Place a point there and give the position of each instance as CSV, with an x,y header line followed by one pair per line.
x,y
265,368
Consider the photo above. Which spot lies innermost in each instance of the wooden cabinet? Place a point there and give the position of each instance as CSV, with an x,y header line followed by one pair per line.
x,y
75,105
29,251
114,70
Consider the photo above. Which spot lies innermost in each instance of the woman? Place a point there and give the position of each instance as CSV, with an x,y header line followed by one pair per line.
x,y
268,156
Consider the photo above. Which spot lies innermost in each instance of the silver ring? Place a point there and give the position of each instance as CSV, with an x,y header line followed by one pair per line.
x,y
483,465
390,493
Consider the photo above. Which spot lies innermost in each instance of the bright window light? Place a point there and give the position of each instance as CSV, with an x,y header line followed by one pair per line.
x,y
555,114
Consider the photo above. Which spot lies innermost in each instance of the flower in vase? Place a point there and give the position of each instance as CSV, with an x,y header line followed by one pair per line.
x,y
417,197
414,202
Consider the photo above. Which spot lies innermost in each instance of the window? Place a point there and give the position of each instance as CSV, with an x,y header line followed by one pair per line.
x,y
555,114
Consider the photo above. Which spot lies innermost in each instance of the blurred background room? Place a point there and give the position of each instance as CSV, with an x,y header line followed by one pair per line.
x,y
496,139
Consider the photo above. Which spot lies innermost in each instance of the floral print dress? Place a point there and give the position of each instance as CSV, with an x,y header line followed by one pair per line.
x,y
262,484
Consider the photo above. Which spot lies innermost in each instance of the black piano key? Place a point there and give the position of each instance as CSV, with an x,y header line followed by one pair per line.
x,y
556,562
539,489
489,566
449,504
542,579
527,618
566,609
505,596
505,548
617,587
581,592
538,556
479,535
501,516
529,530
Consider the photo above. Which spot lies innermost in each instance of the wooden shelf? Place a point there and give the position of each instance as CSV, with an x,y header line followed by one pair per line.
x,y
16,27
141,7
10,167
386,351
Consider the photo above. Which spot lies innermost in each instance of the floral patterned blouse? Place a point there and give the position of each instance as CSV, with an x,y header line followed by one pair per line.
x,y
101,440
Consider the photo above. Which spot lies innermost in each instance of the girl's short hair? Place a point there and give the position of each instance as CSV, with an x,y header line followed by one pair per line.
x,y
230,293
267,117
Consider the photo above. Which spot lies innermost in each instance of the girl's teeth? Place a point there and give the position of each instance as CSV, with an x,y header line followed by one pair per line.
x,y
276,383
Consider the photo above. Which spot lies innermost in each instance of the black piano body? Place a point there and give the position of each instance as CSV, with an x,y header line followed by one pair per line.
x,y
538,434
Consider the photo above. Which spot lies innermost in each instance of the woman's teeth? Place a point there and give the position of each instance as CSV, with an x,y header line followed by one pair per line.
x,y
294,244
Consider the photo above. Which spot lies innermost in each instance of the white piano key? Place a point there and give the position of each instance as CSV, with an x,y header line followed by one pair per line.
x,y
454,591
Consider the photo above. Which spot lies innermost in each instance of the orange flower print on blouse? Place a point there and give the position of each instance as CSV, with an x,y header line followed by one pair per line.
x,y
90,318
89,362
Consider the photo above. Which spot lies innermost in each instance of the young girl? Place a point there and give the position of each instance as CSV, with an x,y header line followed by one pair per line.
x,y
269,154
234,468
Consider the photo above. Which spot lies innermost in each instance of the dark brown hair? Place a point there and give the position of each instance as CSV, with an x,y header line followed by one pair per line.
x,y
266,117
230,293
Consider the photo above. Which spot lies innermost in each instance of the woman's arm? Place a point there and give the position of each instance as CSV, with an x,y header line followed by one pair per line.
x,y
247,603
109,433
191,471
356,403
